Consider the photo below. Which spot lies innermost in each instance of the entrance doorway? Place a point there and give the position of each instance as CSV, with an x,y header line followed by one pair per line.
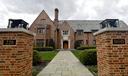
x,y
65,44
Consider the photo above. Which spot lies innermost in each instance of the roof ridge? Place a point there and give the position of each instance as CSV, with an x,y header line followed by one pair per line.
x,y
81,20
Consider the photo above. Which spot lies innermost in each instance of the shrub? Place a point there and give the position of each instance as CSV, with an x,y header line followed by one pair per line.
x,y
88,57
44,48
77,44
83,47
36,57
93,69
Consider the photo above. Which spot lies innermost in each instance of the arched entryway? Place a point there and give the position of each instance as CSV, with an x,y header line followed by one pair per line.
x,y
65,44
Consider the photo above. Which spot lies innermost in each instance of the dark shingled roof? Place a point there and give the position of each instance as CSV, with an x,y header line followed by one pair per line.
x,y
88,25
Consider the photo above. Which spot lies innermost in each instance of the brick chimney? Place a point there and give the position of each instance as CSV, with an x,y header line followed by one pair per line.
x,y
56,14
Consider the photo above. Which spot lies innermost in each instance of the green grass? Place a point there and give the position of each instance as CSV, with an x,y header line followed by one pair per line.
x,y
47,55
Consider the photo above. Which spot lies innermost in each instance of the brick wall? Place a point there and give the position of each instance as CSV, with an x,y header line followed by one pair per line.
x,y
70,38
112,57
16,60
87,37
40,22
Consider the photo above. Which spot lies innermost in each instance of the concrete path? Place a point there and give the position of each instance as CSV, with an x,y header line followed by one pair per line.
x,y
65,64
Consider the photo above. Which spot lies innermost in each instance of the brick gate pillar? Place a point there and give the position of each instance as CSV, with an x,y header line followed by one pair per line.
x,y
16,51
112,51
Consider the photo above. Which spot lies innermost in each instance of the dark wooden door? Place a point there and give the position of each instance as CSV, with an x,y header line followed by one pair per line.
x,y
65,44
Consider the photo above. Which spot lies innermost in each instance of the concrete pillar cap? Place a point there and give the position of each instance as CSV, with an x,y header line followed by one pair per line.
x,y
16,30
111,30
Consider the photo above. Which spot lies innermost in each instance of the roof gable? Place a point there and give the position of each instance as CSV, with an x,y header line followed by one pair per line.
x,y
41,19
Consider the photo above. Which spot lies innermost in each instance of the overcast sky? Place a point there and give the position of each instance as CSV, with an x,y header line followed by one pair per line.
x,y
28,10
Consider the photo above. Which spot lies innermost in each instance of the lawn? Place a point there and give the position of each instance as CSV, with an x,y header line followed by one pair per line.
x,y
47,55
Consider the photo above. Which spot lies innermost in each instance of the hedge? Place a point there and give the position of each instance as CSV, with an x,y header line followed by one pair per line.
x,y
36,57
83,48
88,57
44,49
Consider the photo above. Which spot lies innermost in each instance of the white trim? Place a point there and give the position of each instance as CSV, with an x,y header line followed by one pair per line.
x,y
68,44
61,44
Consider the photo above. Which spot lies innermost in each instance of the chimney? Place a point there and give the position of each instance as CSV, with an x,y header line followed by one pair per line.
x,y
56,14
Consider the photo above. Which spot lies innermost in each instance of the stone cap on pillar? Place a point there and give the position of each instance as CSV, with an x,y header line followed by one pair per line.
x,y
110,30
16,30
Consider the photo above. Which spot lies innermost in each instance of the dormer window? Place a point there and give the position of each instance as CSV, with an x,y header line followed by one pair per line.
x,y
79,32
65,32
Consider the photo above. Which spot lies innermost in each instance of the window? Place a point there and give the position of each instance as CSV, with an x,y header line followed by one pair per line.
x,y
65,32
43,19
94,42
39,42
79,32
9,42
79,43
87,42
40,30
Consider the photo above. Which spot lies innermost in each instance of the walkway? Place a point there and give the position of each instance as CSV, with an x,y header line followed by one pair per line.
x,y
65,64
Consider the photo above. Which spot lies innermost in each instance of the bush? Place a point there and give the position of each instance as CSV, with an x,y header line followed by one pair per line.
x,y
44,49
77,44
88,57
83,48
93,69
36,57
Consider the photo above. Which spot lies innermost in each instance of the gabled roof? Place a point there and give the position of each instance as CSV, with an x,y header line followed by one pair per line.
x,y
42,15
88,25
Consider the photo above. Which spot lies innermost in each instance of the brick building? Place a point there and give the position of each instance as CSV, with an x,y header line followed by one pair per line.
x,y
68,34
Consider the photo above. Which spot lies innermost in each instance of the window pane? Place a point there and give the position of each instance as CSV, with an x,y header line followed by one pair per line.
x,y
40,30
79,32
65,32
9,42
39,42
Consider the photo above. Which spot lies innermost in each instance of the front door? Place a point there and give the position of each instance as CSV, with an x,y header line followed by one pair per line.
x,y
65,44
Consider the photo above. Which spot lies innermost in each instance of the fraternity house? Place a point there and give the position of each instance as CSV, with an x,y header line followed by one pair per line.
x,y
67,34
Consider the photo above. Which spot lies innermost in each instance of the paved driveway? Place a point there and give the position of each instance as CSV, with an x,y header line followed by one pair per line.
x,y
65,64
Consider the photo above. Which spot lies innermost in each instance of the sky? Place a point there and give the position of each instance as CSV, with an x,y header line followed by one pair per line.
x,y
28,10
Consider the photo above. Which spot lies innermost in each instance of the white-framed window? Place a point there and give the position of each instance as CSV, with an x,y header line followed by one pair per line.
x,y
40,30
65,32
39,42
